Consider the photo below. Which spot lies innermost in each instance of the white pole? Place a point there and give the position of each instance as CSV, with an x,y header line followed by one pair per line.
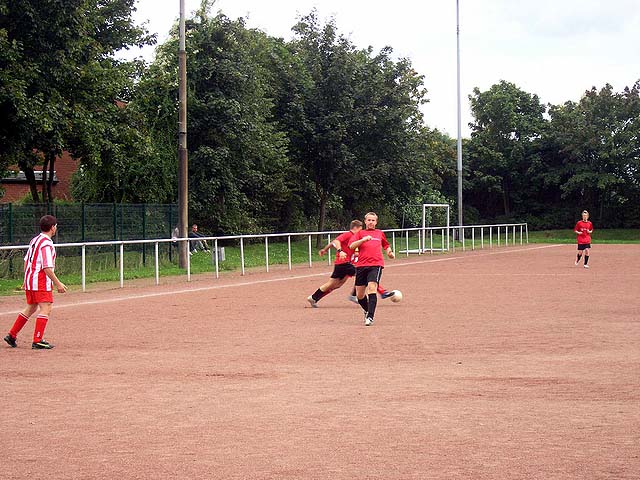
x,y
121,265
217,266
242,254
157,263
459,145
407,237
188,262
424,221
266,252
84,269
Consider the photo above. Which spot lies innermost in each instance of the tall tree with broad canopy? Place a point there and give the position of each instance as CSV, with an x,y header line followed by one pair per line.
x,y
59,79
593,151
239,173
358,123
507,122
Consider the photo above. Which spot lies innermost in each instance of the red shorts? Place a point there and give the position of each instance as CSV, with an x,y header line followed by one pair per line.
x,y
35,297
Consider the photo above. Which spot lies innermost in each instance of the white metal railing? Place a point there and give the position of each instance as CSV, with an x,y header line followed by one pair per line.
x,y
511,235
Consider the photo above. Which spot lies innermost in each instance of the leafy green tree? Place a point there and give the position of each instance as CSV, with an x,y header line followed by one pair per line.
x,y
356,121
239,173
323,115
593,153
507,124
63,80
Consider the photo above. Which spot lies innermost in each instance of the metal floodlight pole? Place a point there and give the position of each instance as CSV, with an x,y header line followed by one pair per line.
x,y
183,162
459,120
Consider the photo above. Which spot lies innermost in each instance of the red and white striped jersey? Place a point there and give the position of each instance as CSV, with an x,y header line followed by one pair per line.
x,y
41,255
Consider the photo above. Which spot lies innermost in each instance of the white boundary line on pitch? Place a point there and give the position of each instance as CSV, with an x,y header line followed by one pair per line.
x,y
258,282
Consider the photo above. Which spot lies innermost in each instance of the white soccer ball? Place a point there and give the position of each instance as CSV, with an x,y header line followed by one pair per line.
x,y
397,296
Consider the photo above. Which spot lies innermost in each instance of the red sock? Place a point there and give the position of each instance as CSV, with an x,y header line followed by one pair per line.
x,y
381,290
41,324
18,324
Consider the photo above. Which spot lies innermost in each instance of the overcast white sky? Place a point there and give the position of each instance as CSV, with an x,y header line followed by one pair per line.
x,y
556,49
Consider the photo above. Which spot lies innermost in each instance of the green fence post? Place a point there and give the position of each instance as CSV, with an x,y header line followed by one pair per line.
x,y
10,222
84,220
115,236
10,236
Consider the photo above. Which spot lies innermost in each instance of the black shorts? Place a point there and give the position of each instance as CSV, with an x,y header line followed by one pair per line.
x,y
364,275
583,246
343,270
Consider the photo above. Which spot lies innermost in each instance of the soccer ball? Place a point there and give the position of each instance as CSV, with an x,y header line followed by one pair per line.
x,y
397,296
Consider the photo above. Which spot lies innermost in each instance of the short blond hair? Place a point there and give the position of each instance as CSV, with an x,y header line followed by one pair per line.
x,y
373,214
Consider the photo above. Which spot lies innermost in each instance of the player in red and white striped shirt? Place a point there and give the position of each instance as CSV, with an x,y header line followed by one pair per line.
x,y
39,279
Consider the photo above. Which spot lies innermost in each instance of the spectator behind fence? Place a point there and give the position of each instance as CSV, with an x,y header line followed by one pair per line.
x,y
199,245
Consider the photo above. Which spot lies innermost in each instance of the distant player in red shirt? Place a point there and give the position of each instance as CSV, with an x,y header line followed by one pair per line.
x,y
584,229
39,279
370,242
343,268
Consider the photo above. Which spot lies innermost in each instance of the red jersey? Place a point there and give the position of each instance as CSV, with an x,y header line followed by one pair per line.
x,y
371,251
41,255
345,240
583,227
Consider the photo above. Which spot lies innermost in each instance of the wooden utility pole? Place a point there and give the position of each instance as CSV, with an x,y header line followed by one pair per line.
x,y
183,160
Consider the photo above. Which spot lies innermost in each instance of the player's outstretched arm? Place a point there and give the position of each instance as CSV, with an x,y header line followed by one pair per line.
x,y
335,244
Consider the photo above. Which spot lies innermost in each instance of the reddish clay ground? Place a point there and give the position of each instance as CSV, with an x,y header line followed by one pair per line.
x,y
502,364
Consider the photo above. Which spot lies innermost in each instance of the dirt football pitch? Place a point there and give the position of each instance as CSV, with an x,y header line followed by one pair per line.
x,y
509,363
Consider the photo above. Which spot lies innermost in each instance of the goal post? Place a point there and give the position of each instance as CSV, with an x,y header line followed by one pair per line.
x,y
435,220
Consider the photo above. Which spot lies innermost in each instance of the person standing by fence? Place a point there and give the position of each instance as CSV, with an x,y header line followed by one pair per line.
x,y
39,279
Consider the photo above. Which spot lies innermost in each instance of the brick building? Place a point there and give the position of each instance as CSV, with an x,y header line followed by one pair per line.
x,y
16,186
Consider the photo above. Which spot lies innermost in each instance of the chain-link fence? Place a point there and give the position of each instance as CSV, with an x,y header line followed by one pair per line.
x,y
84,222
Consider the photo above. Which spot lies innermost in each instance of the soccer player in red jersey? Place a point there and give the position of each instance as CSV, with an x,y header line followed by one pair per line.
x,y
343,268
39,278
584,229
370,242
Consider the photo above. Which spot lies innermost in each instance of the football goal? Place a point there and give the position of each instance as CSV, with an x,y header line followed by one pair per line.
x,y
430,223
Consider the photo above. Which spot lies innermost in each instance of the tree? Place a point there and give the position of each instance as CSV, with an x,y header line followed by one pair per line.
x,y
63,80
507,123
239,173
355,122
594,153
